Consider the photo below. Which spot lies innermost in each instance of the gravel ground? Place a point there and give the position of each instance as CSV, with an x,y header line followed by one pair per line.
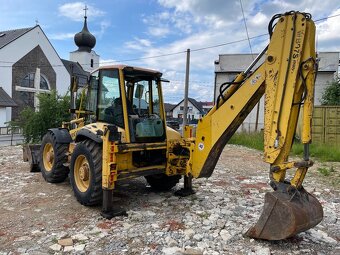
x,y
42,218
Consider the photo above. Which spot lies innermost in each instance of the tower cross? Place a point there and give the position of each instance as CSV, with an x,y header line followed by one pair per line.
x,y
85,9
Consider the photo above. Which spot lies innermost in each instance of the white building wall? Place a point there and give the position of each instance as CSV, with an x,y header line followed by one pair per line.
x,y
239,62
322,80
3,115
15,50
249,122
177,111
84,59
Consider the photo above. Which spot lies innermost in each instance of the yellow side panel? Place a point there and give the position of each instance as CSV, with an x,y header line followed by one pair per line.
x,y
211,127
172,134
124,161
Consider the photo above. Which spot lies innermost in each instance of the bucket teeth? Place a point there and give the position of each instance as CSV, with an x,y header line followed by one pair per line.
x,y
285,215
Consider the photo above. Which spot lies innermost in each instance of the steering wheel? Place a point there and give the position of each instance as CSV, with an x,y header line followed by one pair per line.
x,y
153,116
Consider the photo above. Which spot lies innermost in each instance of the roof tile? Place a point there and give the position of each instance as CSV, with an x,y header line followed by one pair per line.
x,y
5,99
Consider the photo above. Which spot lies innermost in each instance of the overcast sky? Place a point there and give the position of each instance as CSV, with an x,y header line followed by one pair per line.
x,y
128,30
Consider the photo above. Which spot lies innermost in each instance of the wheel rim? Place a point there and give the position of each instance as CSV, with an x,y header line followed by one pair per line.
x,y
48,157
82,173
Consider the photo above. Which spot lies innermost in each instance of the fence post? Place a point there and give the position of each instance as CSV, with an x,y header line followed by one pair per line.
x,y
11,136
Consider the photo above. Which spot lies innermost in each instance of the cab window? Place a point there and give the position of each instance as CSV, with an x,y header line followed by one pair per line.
x,y
110,107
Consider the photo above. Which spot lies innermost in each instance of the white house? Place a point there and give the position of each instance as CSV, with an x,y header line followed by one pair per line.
x,y
5,102
229,65
195,110
29,65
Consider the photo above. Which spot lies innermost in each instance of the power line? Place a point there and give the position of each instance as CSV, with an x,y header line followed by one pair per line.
x,y
245,25
173,53
158,56
328,17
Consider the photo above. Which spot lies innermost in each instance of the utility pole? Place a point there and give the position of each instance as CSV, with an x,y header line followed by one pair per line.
x,y
186,91
187,189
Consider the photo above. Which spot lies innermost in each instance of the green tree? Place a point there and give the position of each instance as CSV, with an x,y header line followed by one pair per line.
x,y
53,110
331,95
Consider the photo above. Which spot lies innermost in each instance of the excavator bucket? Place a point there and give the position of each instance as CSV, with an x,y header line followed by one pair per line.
x,y
285,215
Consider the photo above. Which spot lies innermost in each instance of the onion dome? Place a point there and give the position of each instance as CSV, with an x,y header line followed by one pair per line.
x,y
84,39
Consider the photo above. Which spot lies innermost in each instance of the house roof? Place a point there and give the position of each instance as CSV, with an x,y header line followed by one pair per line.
x,y
235,63
5,99
77,68
194,103
9,36
168,107
329,61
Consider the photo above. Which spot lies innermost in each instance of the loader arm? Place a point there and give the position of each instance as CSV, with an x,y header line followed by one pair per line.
x,y
286,78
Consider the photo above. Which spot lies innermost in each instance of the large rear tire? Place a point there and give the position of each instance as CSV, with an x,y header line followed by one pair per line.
x,y
86,172
53,155
162,182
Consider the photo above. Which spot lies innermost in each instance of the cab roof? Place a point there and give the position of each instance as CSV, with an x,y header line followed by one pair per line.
x,y
131,69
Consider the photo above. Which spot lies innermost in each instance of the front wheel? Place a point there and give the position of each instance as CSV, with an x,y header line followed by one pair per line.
x,y
86,172
162,182
53,155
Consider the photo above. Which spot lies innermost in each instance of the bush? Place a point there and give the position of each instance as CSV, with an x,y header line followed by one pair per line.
x,y
53,110
331,94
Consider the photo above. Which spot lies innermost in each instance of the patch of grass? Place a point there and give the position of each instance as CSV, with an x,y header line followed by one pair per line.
x,y
326,171
322,152
251,140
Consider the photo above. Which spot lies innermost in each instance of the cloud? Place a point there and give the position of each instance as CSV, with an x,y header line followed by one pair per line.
x,y
61,36
104,25
203,12
328,32
75,11
105,62
158,31
138,44
197,24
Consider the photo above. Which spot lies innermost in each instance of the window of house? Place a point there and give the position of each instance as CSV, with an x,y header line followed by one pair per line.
x,y
91,62
28,93
28,82
43,83
27,98
181,108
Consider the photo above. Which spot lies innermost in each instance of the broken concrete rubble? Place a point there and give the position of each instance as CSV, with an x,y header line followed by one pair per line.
x,y
36,216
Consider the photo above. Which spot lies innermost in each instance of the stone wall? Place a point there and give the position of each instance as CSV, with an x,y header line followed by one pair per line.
x,y
26,65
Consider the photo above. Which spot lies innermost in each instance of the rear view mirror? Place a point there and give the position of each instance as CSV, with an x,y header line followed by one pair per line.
x,y
94,81
139,91
74,83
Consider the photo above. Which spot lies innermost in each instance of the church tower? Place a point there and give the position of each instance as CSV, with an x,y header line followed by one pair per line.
x,y
84,55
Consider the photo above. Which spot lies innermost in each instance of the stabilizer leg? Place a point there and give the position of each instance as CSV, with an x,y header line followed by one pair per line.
x,y
187,190
108,210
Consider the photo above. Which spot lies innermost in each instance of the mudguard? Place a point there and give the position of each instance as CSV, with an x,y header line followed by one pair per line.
x,y
87,134
62,135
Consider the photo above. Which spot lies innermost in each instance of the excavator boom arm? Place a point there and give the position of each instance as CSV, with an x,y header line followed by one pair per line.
x,y
286,78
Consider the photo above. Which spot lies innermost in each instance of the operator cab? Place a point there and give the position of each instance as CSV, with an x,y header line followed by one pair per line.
x,y
129,98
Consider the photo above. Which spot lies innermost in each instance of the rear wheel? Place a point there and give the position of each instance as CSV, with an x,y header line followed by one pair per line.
x,y
162,182
86,172
53,155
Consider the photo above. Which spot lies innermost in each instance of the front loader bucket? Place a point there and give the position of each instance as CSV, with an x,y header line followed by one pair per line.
x,y
286,215
31,155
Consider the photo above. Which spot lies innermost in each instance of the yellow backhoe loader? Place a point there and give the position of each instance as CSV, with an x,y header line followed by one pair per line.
x,y
119,131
